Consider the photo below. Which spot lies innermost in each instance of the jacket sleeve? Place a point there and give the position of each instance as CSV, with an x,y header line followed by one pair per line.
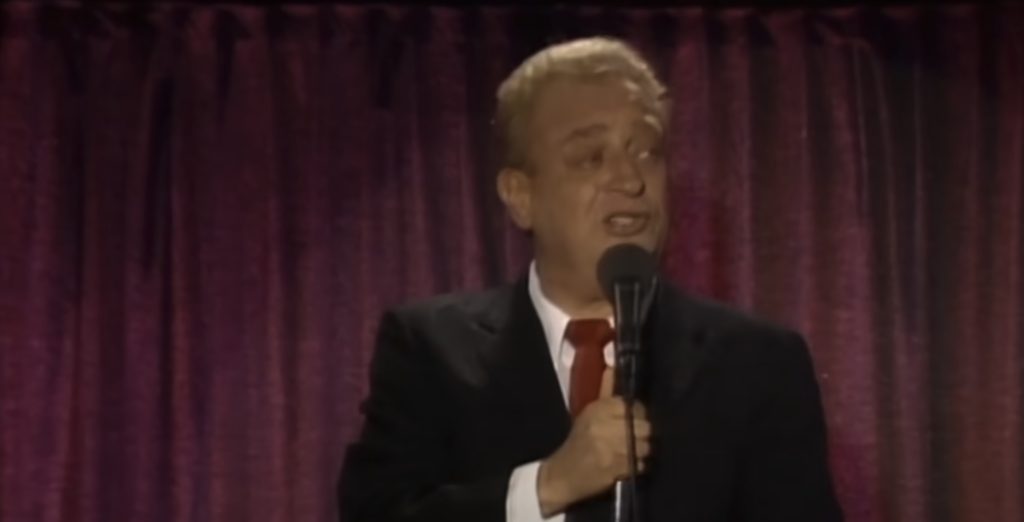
x,y
397,470
786,473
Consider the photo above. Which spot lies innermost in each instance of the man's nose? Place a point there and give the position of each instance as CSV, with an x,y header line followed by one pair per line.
x,y
626,176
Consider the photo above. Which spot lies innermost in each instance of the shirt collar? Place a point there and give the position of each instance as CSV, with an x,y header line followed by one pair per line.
x,y
553,319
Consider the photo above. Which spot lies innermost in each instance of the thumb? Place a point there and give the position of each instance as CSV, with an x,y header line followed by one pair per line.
x,y
607,382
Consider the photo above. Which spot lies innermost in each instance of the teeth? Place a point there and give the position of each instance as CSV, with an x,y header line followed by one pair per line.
x,y
621,221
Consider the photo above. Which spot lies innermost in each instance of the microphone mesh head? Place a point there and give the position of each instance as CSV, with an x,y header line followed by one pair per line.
x,y
625,261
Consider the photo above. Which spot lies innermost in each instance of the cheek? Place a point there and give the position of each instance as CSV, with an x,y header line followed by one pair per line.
x,y
657,189
568,207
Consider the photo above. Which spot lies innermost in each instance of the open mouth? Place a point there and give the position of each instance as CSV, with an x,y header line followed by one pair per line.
x,y
625,224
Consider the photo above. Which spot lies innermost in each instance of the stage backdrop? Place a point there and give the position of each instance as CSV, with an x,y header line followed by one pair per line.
x,y
204,210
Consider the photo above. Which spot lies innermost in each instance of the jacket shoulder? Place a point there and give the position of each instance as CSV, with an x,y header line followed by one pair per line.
x,y
458,301
453,309
740,332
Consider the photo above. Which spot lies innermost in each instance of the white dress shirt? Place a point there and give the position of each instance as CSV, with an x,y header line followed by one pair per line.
x,y
522,503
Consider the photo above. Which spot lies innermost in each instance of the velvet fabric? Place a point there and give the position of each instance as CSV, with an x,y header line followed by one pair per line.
x,y
204,209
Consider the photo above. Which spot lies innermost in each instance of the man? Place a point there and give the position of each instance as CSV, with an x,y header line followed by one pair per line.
x,y
494,406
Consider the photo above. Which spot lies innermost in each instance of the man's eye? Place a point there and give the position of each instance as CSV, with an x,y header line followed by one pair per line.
x,y
593,160
649,154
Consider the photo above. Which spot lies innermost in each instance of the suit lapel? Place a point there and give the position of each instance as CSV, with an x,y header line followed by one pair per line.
x,y
676,340
519,362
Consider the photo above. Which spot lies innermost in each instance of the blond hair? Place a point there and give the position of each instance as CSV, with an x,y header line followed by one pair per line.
x,y
583,59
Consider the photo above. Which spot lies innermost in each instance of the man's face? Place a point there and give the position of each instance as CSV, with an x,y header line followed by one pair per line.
x,y
597,174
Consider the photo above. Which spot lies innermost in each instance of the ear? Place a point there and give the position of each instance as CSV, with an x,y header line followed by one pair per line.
x,y
514,191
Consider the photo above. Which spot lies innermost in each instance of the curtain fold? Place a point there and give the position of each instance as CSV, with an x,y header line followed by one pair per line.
x,y
205,209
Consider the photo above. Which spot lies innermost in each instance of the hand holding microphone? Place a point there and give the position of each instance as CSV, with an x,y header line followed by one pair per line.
x,y
611,437
595,455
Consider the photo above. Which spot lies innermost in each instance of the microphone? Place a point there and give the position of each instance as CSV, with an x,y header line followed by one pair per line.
x,y
627,274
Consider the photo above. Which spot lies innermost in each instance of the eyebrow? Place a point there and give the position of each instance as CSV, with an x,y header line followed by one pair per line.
x,y
585,132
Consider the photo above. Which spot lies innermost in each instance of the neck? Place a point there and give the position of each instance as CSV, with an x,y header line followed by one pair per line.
x,y
564,288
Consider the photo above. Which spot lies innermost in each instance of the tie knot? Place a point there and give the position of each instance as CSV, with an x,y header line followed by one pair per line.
x,y
589,334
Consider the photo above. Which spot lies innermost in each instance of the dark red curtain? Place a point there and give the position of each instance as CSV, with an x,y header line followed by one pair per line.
x,y
203,210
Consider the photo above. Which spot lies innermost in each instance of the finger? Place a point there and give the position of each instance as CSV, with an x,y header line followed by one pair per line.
x,y
643,449
641,429
639,410
610,407
607,382
641,467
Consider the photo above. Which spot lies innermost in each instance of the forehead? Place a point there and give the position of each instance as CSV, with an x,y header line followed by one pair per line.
x,y
565,104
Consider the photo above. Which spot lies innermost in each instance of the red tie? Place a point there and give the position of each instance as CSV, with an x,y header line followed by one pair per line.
x,y
588,337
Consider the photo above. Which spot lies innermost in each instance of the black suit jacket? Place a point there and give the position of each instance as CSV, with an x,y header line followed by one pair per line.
x,y
463,390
